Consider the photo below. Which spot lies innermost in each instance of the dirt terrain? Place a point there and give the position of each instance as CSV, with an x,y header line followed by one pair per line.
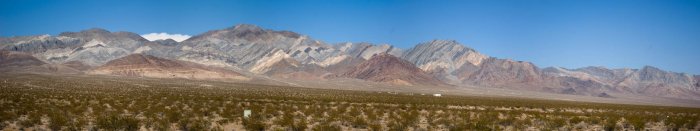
x,y
614,98
88,102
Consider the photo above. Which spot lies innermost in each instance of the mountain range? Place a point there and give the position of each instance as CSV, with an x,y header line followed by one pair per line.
x,y
246,52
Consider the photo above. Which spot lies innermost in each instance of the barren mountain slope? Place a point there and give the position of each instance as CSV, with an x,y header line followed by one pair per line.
x,y
390,69
150,66
269,53
18,59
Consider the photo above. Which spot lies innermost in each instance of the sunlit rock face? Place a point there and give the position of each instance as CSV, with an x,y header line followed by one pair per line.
x,y
149,66
93,47
648,80
249,49
262,51
444,57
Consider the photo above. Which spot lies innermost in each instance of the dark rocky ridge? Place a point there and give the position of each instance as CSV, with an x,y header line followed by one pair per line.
x,y
390,69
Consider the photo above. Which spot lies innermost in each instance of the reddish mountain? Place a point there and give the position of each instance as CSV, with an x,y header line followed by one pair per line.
x,y
390,69
150,66
18,59
77,65
12,61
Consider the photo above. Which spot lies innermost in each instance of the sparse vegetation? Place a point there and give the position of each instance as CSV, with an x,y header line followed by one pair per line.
x,y
48,102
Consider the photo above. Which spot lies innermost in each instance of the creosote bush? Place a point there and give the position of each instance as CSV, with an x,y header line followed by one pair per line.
x,y
117,122
77,102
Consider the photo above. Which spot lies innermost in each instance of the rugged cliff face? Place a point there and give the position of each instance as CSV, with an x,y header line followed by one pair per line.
x,y
93,47
444,58
276,53
126,40
456,64
288,55
460,65
648,80
390,69
500,72
653,81
251,48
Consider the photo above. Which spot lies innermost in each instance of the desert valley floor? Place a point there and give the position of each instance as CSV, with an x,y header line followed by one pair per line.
x,y
87,102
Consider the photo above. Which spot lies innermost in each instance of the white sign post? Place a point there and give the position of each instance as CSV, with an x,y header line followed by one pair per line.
x,y
246,113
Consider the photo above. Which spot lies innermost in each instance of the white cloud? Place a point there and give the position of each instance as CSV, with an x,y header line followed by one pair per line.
x,y
163,36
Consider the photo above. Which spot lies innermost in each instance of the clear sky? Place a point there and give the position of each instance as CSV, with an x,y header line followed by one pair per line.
x,y
565,33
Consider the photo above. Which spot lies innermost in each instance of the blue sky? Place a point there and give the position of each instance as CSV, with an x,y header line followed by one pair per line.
x,y
566,33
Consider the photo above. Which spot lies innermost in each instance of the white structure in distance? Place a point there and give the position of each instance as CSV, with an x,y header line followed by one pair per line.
x,y
246,113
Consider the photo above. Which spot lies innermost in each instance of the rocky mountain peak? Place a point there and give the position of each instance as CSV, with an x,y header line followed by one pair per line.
x,y
96,30
387,68
556,69
276,53
593,68
166,42
650,73
442,41
650,68
248,32
246,27
443,55
93,31
447,43
130,35
102,34
385,58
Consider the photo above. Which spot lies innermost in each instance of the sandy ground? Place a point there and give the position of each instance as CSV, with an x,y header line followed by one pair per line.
x,y
352,84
